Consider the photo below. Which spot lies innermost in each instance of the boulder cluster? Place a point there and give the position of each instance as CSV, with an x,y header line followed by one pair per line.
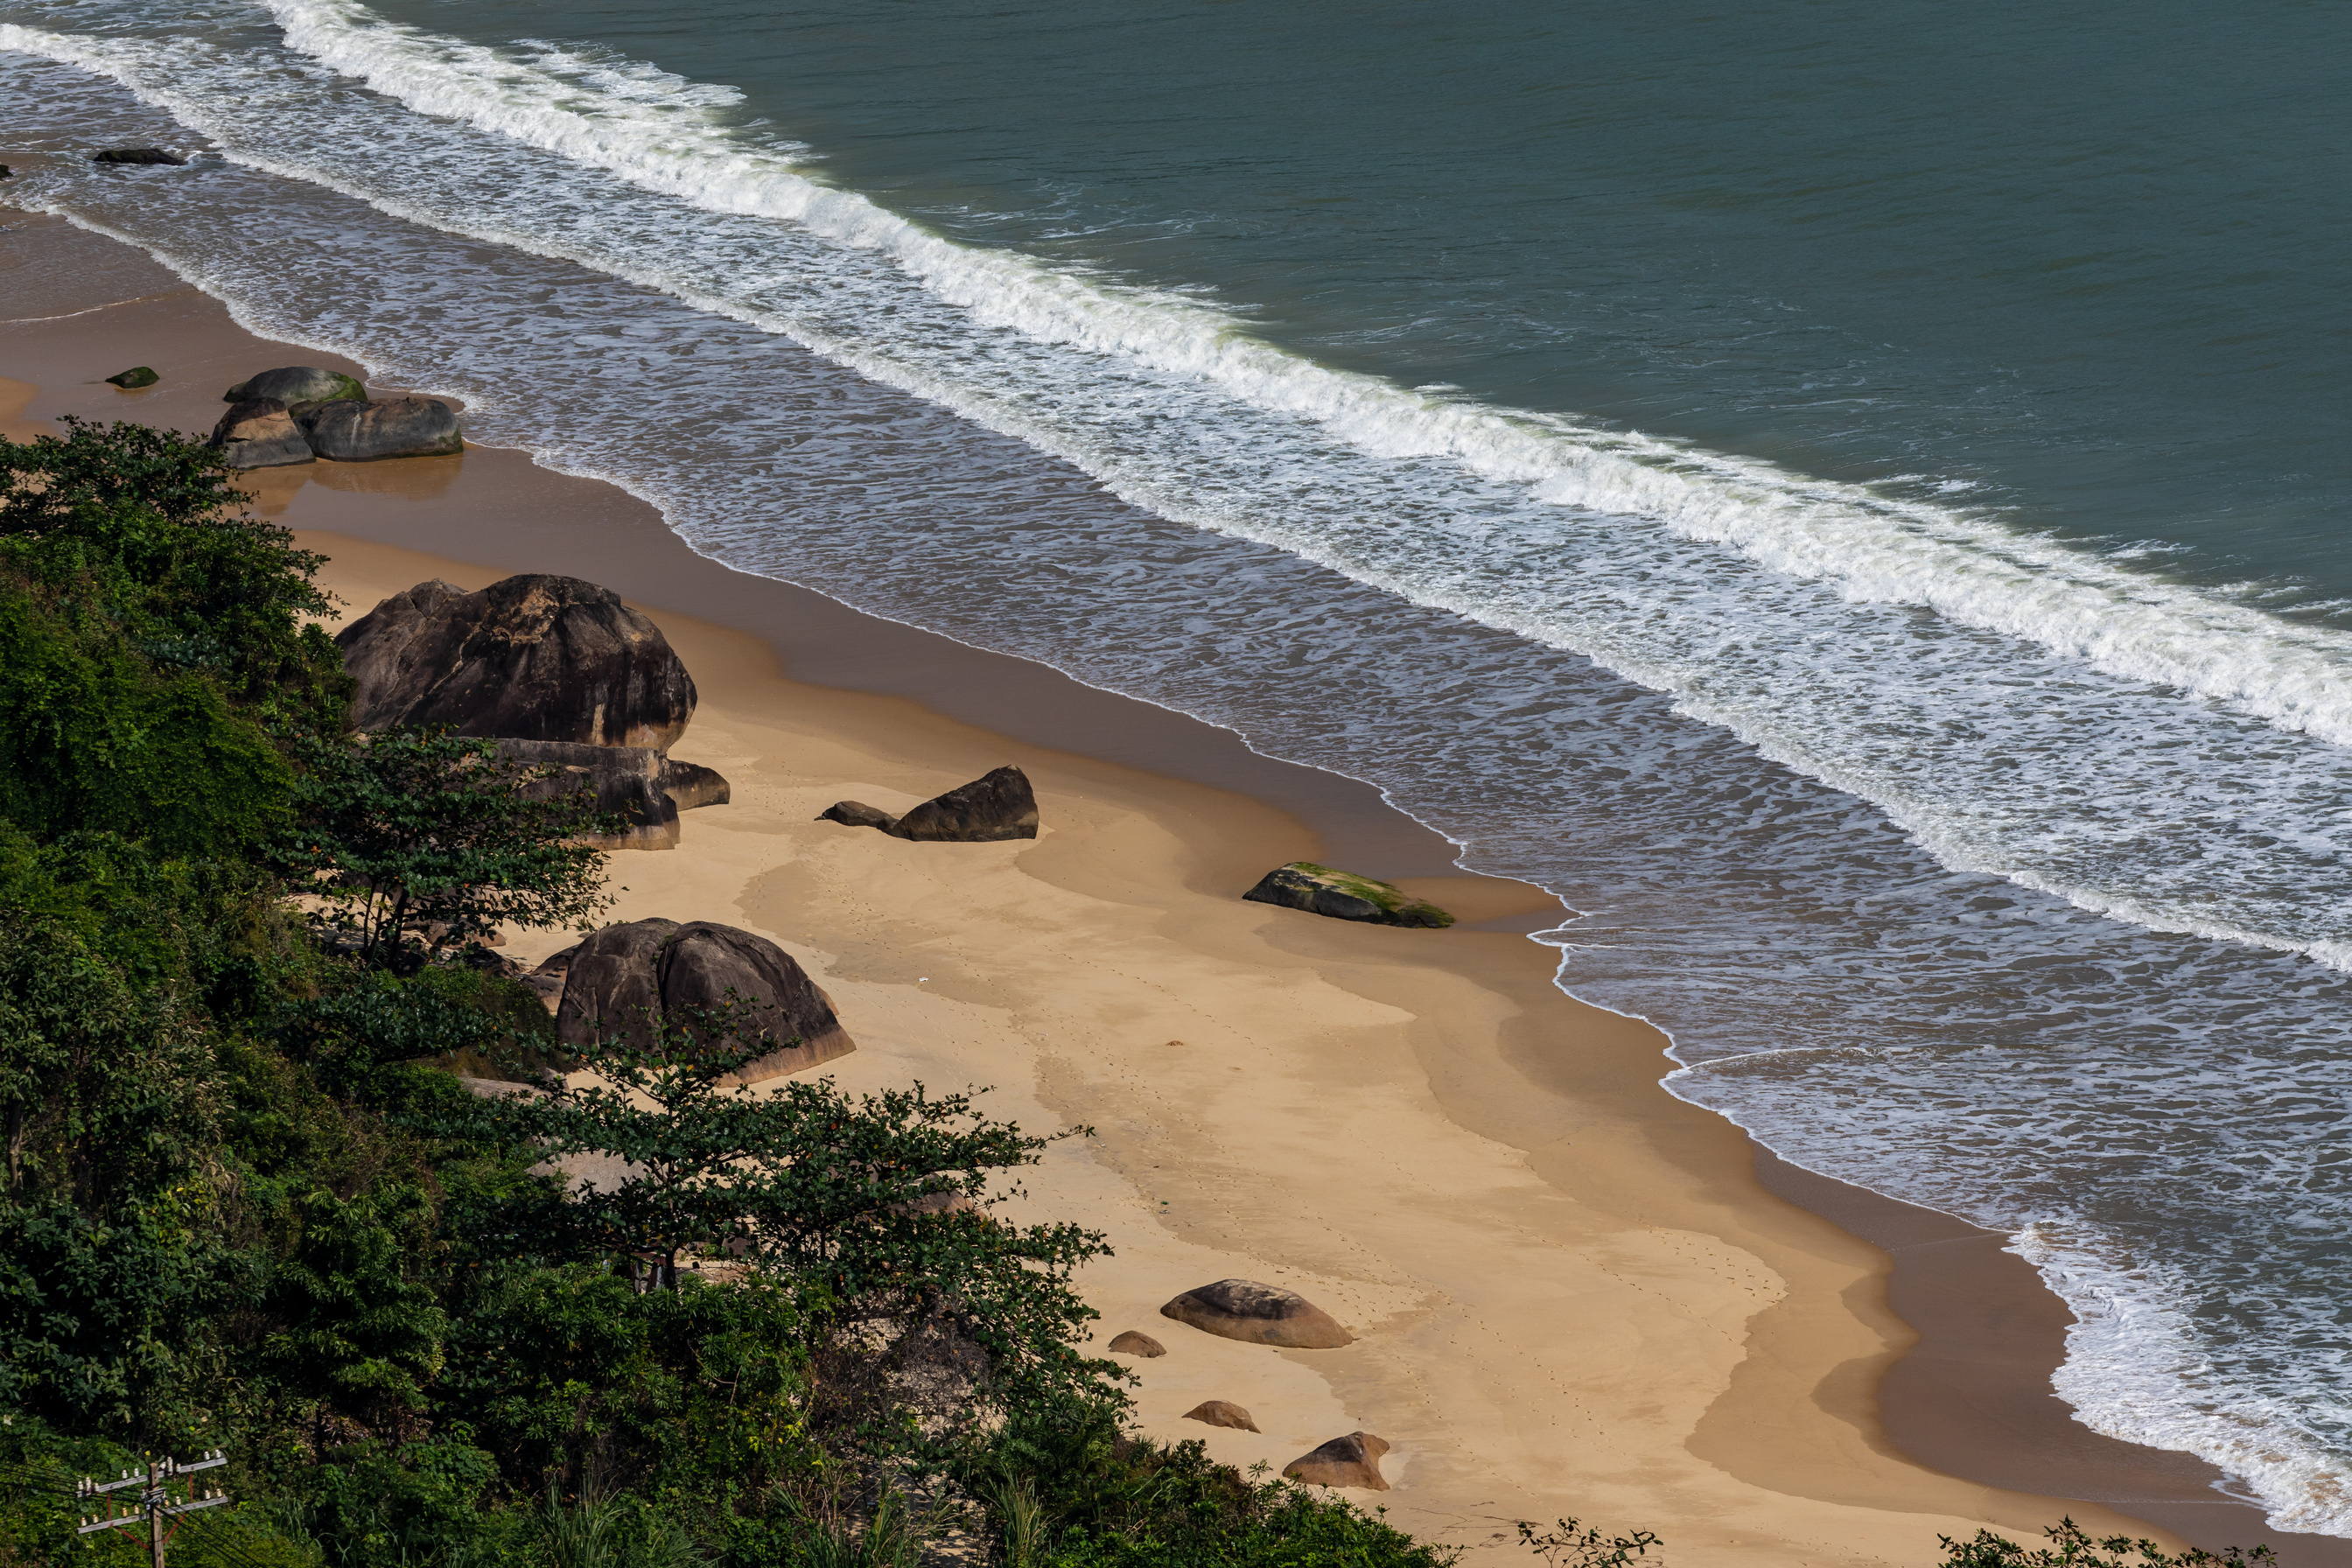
x,y
300,413
1261,1314
560,672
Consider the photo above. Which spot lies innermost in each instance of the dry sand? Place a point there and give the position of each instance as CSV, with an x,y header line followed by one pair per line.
x,y
1572,1293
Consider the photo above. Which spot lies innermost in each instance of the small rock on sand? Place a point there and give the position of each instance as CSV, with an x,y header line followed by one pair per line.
x,y
1259,1315
136,376
996,805
1353,1460
1133,1343
1344,896
1222,1413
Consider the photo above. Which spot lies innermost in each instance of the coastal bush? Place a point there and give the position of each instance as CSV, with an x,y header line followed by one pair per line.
x,y
2072,1547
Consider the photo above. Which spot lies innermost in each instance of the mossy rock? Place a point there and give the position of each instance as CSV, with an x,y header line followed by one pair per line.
x,y
297,384
131,379
1344,896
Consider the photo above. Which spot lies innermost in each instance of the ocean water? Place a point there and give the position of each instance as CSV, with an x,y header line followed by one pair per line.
x,y
1850,497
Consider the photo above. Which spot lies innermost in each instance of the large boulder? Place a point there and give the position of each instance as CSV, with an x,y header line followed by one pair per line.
x,y
260,435
1259,1315
1353,1460
347,432
1222,1413
137,155
296,383
1344,896
628,782
624,977
535,658
997,806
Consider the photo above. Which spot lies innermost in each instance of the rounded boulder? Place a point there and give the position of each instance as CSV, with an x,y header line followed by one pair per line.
x,y
625,978
1353,1460
1258,1314
534,658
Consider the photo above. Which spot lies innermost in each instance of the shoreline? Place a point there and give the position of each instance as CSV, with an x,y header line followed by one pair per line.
x,y
1821,1400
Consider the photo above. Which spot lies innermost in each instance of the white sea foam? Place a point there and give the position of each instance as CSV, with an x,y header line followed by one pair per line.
x,y
656,130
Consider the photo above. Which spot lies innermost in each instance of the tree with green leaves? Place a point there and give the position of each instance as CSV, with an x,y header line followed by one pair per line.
x,y
403,829
875,1209
145,523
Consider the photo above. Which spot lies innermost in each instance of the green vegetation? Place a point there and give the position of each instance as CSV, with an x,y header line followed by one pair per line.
x,y
250,1207
2071,1548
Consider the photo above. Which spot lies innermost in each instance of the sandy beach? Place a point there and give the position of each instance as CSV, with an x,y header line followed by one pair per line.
x,y
1572,1293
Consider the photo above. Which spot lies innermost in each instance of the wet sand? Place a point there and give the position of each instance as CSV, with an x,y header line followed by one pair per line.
x,y
1577,1295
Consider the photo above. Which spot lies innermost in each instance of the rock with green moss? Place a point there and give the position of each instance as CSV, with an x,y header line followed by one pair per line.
x,y
131,379
1344,896
296,385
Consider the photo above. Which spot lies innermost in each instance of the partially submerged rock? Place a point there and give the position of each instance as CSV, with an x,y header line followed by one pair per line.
x,y
1222,1413
621,980
1138,1344
628,782
1343,895
536,657
136,376
1258,1314
997,806
345,432
137,155
260,435
1353,1460
296,383
690,784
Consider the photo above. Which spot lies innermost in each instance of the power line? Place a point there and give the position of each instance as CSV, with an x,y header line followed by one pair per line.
x,y
155,1502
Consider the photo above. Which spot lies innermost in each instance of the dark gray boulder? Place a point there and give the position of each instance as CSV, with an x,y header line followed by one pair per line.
x,y
620,980
690,784
296,383
1259,1315
535,658
260,435
1344,896
137,155
1000,804
628,782
996,806
345,432
136,376
1353,1460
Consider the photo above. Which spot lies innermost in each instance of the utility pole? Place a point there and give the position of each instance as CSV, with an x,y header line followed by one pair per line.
x,y
155,1504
